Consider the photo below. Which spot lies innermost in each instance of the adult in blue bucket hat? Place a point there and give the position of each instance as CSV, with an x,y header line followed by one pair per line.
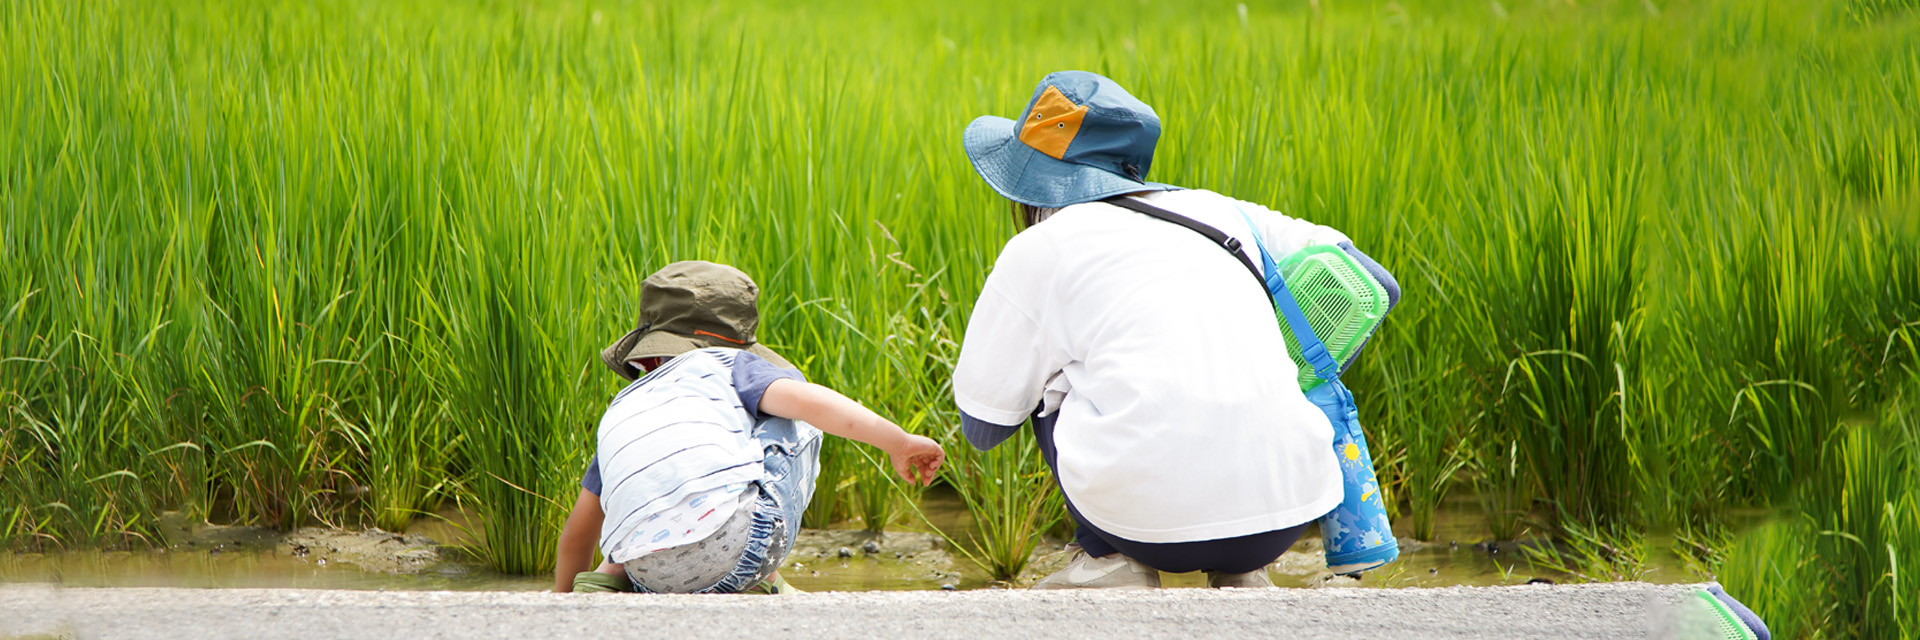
x,y
1082,138
1139,350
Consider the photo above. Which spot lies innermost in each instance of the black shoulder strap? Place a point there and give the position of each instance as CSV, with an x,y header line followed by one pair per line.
x,y
1217,236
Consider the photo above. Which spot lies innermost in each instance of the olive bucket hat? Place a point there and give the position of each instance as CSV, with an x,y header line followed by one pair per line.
x,y
691,305
1082,138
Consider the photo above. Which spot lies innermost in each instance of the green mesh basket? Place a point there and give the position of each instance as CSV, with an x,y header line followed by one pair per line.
x,y
1342,301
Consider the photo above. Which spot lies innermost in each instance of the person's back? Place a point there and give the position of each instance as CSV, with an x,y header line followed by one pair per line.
x,y
1181,441
1175,381
677,452
705,465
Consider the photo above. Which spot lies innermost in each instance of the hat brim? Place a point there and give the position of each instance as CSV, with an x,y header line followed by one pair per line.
x,y
1023,174
641,343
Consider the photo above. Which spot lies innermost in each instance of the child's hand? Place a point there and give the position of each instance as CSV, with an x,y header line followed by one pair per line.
x,y
918,460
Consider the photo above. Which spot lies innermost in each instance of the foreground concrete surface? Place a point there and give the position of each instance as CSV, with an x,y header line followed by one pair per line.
x,y
1619,610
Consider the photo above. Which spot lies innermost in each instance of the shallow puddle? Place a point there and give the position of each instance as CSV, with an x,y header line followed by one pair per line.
x,y
241,568
205,556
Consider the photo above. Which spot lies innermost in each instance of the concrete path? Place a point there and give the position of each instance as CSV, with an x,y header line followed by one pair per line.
x,y
1620,610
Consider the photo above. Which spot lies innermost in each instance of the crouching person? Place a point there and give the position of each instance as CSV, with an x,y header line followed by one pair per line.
x,y
706,461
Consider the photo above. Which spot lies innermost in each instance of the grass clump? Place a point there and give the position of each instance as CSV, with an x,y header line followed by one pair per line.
x,y
1839,563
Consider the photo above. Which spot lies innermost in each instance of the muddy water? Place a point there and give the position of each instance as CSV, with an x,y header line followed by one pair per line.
x,y
198,555
1461,553
206,556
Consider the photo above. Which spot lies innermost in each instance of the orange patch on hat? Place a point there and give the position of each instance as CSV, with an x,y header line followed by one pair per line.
x,y
710,334
1053,123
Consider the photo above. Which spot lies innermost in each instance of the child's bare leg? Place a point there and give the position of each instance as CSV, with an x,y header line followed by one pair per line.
x,y
612,569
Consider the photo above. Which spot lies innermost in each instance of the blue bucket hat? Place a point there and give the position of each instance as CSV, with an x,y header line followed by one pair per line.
x,y
1082,138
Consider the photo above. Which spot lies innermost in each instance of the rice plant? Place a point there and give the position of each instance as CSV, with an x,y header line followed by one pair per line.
x,y
337,262
1433,456
1770,569
1013,499
1585,554
1847,546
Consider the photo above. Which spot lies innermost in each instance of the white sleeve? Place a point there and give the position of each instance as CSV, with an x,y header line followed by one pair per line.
x,y
1284,235
1006,356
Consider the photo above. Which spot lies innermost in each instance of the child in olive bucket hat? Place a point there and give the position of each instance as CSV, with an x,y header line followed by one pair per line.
x,y
707,460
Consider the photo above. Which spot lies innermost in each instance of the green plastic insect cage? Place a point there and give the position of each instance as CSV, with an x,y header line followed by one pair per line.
x,y
1342,301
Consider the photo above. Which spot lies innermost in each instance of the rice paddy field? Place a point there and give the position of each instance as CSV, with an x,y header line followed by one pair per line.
x,y
346,262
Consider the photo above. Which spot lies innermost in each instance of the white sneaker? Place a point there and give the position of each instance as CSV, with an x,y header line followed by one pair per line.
x,y
1116,571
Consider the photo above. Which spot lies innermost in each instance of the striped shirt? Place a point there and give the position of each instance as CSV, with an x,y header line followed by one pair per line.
x,y
676,450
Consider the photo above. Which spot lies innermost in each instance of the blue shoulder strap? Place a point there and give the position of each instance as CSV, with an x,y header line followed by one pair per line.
x,y
1312,350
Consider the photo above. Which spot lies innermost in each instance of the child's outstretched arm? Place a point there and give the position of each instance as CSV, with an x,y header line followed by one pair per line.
x,y
915,458
574,554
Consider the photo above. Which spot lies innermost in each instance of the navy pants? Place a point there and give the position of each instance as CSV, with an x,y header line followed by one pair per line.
x,y
1232,555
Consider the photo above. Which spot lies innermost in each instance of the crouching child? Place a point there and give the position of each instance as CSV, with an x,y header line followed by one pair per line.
x,y
705,462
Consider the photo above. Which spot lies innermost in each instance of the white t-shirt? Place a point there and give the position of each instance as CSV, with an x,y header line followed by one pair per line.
x,y
1180,415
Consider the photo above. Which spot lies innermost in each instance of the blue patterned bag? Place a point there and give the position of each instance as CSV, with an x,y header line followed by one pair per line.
x,y
1357,535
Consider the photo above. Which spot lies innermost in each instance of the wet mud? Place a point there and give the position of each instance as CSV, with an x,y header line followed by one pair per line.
x,y
201,555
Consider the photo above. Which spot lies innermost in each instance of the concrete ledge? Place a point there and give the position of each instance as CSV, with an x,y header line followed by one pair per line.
x,y
1617,610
